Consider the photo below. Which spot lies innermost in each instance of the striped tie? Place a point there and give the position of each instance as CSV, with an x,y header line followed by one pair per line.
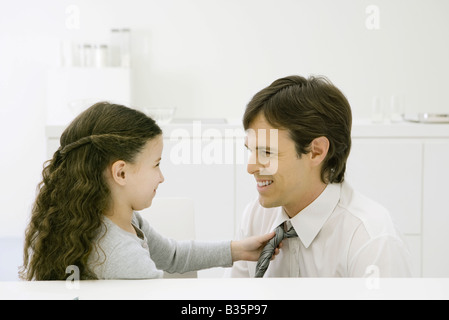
x,y
268,251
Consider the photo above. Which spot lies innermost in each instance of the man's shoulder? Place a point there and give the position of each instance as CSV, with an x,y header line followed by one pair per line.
x,y
375,218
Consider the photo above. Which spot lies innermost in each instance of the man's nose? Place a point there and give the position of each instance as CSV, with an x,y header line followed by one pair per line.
x,y
253,167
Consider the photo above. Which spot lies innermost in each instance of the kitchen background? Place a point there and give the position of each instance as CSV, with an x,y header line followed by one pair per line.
x,y
206,58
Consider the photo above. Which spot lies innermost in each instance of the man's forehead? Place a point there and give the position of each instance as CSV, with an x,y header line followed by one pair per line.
x,y
274,140
259,122
262,138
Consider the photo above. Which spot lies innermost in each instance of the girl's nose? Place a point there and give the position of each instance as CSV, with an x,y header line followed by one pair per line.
x,y
162,179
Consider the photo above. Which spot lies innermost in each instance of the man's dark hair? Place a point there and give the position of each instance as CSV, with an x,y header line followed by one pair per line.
x,y
308,109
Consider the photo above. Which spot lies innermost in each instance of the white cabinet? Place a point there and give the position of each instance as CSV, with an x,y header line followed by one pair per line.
x,y
210,185
191,169
390,172
436,209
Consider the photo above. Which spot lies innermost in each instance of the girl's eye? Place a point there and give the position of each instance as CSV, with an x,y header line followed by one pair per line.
x,y
158,164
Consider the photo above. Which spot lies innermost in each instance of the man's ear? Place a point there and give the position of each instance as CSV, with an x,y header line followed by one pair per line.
x,y
118,171
318,150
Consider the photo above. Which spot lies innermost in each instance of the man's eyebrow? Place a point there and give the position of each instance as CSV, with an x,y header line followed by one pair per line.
x,y
158,160
263,148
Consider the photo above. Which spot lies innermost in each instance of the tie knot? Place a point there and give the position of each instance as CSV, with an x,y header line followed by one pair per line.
x,y
286,230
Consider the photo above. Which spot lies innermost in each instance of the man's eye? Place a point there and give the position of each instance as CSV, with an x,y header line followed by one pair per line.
x,y
265,153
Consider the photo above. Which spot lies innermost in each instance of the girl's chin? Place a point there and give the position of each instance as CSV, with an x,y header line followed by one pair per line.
x,y
144,206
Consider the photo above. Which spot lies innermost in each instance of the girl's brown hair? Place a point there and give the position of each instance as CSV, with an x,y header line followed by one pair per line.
x,y
308,109
73,195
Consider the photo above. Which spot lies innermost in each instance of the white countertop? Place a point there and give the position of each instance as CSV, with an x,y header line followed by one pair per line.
x,y
361,128
232,289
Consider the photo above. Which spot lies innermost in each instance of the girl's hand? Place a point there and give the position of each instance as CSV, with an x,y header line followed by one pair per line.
x,y
249,249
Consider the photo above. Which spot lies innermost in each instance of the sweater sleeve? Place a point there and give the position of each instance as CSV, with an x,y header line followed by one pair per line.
x,y
125,262
184,256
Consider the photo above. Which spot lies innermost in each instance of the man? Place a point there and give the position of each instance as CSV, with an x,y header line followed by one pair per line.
x,y
299,136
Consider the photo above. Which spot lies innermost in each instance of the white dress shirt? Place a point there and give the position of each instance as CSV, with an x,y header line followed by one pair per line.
x,y
340,234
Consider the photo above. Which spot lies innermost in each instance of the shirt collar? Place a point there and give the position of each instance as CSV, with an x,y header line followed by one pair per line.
x,y
310,220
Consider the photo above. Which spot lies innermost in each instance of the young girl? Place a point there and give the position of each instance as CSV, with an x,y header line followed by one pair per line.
x,y
106,168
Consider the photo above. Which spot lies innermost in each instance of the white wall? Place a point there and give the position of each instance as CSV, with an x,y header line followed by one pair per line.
x,y
208,57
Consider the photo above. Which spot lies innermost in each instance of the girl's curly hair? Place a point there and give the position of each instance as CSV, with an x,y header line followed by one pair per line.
x,y
73,195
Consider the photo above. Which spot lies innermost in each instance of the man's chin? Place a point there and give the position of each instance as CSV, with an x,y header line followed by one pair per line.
x,y
267,203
